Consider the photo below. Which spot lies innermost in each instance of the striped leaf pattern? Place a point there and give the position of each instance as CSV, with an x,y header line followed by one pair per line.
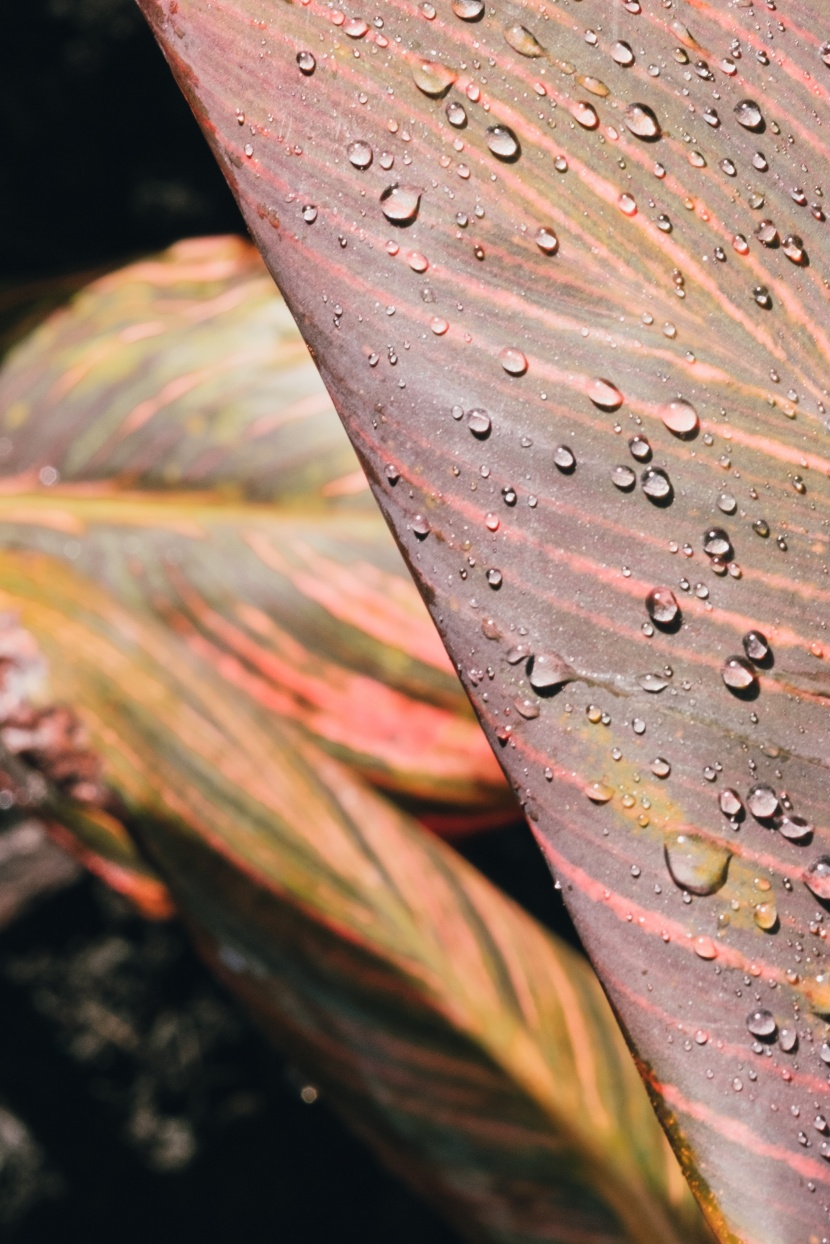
x,y
564,269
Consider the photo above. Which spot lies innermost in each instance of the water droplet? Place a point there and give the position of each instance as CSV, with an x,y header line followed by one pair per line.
x,y
546,240
716,543
595,85
756,647
680,417
495,578
523,41
642,121
731,804
585,114
793,248
439,325
705,948
355,27
513,361
360,154
738,675
623,477
767,234
697,159
309,213
765,916
400,204
605,394
662,606
479,423
794,828
660,767
468,10
564,458
640,448
656,484
727,503
762,1024
749,115
788,1040
456,114
696,864
621,52
548,671
627,205
433,78
817,877
420,526
527,708
306,62
599,792
503,142
762,802
652,683
761,527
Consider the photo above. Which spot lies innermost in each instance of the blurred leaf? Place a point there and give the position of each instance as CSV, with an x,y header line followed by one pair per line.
x,y
473,1051
573,226
168,434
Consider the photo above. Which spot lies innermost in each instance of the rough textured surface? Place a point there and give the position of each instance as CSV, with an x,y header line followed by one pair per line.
x,y
677,154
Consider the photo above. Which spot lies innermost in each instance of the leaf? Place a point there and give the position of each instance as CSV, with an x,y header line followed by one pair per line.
x,y
168,434
594,223
475,1052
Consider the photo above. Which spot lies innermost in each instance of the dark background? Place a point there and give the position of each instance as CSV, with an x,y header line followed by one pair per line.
x,y
136,1101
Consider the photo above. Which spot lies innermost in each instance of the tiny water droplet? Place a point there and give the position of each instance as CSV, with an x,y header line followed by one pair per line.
x,y
513,361
642,121
360,154
433,78
680,417
748,114
306,62
762,1024
502,142
817,877
662,606
696,864
400,204
523,41
738,674
762,802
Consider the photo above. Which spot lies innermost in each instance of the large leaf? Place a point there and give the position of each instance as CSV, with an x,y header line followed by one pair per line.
x,y
168,434
476,1053
603,224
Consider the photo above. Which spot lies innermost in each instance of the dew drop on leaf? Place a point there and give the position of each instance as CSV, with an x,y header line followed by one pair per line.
x,y
548,671
696,864
652,683
762,802
793,248
306,62
456,114
585,114
495,578
360,154
502,142
420,526
433,78
824,53
749,115
595,85
400,204
662,606
767,234
564,458
479,423
640,448
642,121
794,828
627,205
599,792
513,361
623,478
680,417
705,948
738,675
546,240
756,646
309,213
621,52
523,41
527,708
660,767
468,10
817,877
762,1024
355,27
656,484
731,804
716,543
605,394
765,916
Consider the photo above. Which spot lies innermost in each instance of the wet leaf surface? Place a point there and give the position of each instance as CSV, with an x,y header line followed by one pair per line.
x,y
707,122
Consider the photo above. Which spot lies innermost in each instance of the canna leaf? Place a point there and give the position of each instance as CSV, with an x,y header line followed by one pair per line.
x,y
593,235
475,1052
168,434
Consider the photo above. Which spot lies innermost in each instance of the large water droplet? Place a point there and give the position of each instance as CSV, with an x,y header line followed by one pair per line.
x,y
599,792
738,675
306,62
503,142
595,85
468,10
762,802
621,52
756,647
731,804
513,361
662,606
360,154
523,41
456,114
355,27
765,916
660,767
680,417
546,240
749,115
696,864
642,121
548,671
793,248
762,1024
652,683
605,394
400,204
824,53
817,878
656,484
716,543
433,78
585,114
794,828
479,423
